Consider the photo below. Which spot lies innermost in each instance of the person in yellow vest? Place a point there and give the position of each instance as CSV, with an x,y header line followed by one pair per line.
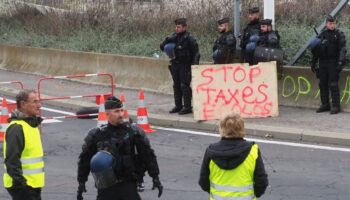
x,y
233,167
23,151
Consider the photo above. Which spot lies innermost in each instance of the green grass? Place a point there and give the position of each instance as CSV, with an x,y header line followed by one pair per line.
x,y
89,39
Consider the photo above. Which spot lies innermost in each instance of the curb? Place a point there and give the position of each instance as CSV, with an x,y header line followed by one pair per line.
x,y
175,121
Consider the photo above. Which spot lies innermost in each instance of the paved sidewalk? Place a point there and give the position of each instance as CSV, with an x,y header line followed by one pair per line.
x,y
292,123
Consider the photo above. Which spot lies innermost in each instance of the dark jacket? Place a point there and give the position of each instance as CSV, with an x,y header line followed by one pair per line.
x,y
186,49
332,47
229,154
123,141
15,146
252,28
224,48
269,39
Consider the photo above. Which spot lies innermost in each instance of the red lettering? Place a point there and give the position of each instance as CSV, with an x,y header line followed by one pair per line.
x,y
246,93
254,72
224,68
268,107
233,96
239,68
208,90
203,74
208,113
263,93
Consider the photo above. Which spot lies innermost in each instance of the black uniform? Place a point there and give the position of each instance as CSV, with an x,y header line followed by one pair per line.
x,y
331,55
186,54
252,28
224,48
269,39
229,153
122,141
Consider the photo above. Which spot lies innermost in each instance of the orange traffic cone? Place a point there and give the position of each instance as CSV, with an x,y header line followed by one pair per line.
x,y
3,119
126,113
142,116
102,116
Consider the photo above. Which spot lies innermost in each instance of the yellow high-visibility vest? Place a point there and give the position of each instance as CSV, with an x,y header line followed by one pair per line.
x,y
234,184
31,158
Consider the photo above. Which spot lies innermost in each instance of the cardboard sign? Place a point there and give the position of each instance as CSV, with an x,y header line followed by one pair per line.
x,y
250,91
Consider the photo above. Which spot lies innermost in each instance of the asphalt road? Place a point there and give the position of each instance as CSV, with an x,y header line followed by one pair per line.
x,y
294,172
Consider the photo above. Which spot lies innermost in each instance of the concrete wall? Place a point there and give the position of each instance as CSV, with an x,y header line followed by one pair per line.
x,y
298,87
128,71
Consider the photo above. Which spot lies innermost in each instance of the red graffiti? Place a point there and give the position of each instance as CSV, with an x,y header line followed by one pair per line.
x,y
234,89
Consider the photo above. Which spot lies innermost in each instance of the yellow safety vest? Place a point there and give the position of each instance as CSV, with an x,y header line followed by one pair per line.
x,y
31,157
234,184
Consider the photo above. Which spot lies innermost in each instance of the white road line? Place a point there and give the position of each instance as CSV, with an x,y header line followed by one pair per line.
x,y
262,141
49,121
57,111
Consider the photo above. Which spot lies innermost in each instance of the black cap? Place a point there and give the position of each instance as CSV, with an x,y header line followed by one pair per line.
x,y
181,21
253,10
113,102
223,20
330,18
266,22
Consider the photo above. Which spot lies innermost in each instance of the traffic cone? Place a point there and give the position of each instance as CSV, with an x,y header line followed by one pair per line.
x,y
3,119
126,113
142,116
102,116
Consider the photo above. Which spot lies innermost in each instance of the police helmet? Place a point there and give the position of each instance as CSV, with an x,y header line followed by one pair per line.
x,y
101,161
169,50
254,38
250,47
316,41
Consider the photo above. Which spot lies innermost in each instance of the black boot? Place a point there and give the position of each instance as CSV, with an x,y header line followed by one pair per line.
x,y
176,109
185,111
323,108
335,110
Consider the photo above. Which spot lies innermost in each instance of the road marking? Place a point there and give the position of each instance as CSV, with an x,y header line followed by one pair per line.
x,y
311,146
57,111
50,121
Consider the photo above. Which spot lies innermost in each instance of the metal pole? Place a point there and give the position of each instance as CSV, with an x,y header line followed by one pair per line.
x,y
237,20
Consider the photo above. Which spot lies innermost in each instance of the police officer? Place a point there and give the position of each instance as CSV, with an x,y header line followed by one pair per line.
x,y
185,53
330,55
233,167
23,151
109,152
252,29
268,37
225,46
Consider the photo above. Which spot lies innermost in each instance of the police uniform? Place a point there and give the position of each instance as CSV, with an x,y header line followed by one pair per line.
x,y
330,53
129,149
186,53
269,39
252,28
225,46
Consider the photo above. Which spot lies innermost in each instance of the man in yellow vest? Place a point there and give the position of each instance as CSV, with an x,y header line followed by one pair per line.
x,y
233,168
23,151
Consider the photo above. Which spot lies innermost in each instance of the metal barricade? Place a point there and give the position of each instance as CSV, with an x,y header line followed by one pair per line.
x,y
96,96
12,105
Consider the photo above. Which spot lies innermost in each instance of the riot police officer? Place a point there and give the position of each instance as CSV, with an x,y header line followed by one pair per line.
x,y
268,37
182,48
225,46
330,55
109,152
249,32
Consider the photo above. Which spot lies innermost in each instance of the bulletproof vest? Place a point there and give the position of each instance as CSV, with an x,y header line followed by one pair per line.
x,y
182,49
329,44
223,52
120,144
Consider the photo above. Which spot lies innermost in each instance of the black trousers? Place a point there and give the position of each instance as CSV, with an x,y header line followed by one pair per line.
x,y
181,74
329,77
120,191
27,193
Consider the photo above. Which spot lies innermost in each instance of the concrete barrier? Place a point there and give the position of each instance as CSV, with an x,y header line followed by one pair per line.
x,y
128,71
298,87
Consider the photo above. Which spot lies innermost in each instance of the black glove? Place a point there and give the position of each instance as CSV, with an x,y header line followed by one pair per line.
x,y
158,185
340,66
80,191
